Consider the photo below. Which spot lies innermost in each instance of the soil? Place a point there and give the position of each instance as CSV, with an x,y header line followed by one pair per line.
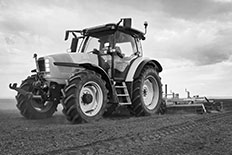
x,y
180,133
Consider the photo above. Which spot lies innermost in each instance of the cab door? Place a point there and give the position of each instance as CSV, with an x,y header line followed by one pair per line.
x,y
126,45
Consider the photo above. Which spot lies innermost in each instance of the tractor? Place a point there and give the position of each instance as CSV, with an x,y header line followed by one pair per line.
x,y
103,69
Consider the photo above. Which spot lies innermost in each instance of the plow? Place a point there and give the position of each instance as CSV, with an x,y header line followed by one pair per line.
x,y
194,104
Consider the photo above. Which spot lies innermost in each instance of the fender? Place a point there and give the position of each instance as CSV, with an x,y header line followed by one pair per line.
x,y
97,69
138,65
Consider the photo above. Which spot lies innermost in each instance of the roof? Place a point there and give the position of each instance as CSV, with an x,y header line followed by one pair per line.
x,y
111,28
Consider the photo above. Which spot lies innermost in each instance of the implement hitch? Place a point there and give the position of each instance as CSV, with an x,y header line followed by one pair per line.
x,y
29,95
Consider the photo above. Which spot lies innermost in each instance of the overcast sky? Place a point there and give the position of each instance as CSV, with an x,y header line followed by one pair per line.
x,y
192,39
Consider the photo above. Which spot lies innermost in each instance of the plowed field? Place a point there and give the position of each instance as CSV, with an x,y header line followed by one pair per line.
x,y
180,133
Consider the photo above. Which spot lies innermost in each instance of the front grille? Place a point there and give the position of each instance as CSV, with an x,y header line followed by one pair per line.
x,y
41,64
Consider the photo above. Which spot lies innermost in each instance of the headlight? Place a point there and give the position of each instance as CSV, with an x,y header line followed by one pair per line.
x,y
47,65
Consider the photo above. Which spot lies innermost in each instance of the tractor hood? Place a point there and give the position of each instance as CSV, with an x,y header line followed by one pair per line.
x,y
58,74
78,58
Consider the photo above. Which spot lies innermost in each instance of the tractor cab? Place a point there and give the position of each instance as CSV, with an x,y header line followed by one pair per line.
x,y
116,46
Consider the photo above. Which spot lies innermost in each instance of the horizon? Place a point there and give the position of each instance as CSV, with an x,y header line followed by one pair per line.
x,y
209,97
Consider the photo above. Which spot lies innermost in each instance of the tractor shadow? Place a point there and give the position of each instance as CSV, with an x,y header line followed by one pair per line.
x,y
121,113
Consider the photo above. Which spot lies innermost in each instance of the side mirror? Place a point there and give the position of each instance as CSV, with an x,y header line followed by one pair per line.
x,y
74,44
145,26
66,35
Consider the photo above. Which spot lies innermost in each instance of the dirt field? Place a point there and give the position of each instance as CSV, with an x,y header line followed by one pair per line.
x,y
183,133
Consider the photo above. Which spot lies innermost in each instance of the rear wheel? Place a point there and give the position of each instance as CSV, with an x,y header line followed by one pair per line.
x,y
34,108
147,92
85,97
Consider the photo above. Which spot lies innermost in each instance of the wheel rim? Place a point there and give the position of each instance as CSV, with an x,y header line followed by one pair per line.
x,y
150,92
92,105
40,105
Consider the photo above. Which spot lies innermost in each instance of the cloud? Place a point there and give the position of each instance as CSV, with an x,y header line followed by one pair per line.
x,y
196,9
201,43
219,50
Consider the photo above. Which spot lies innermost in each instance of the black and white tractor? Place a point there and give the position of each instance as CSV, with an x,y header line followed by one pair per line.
x,y
103,69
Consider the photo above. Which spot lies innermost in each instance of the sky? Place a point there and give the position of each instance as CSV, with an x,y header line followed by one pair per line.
x,y
192,39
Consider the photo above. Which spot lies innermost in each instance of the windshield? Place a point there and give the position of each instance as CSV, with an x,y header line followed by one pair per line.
x,y
98,43
118,40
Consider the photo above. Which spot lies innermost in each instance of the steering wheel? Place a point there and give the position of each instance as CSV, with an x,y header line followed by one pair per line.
x,y
119,54
94,51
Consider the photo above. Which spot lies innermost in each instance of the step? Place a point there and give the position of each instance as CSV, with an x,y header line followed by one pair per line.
x,y
125,103
120,87
122,95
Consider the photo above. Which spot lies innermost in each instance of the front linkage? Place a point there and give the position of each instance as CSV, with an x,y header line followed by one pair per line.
x,y
28,95
37,98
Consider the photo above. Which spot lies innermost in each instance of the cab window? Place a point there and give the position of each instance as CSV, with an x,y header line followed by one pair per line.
x,y
98,42
126,43
92,43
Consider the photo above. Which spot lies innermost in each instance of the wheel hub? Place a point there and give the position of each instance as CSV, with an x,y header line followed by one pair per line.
x,y
144,91
87,98
148,91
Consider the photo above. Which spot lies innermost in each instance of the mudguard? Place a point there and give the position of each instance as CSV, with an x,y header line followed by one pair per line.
x,y
138,65
105,77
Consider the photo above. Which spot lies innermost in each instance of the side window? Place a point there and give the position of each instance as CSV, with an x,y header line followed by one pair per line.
x,y
126,48
126,43
140,50
91,44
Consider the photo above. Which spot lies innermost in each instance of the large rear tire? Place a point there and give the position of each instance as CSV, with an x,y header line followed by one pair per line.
x,y
34,108
85,97
147,92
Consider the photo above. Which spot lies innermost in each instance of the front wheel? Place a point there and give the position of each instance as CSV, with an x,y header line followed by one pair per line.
x,y
147,92
85,97
34,108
